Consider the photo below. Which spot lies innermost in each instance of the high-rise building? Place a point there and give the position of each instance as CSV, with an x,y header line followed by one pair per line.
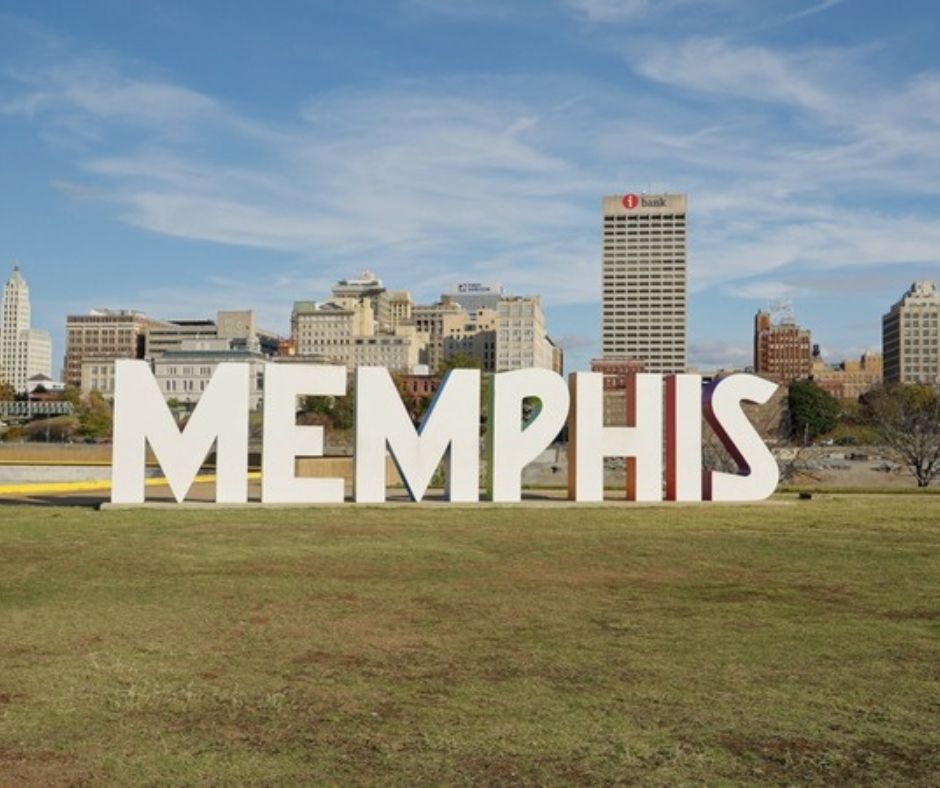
x,y
232,330
644,280
363,324
182,353
24,351
782,350
365,291
475,337
164,338
322,330
909,337
521,341
399,307
347,335
103,335
442,323
511,335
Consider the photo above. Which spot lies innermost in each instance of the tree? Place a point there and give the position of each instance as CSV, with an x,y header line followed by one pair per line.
x,y
72,394
7,392
907,418
339,411
459,360
94,416
813,411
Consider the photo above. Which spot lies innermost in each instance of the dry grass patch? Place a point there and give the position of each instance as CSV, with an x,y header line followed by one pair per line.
x,y
785,644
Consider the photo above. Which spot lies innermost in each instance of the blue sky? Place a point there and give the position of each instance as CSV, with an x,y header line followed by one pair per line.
x,y
182,157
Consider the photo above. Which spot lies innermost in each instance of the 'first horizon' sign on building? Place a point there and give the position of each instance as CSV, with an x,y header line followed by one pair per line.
x,y
662,442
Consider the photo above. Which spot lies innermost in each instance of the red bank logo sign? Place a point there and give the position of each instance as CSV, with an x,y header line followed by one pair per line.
x,y
630,201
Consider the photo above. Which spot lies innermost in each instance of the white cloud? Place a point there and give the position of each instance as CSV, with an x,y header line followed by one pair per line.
x,y
574,342
607,10
812,10
711,355
94,90
716,66
501,178
767,290
419,182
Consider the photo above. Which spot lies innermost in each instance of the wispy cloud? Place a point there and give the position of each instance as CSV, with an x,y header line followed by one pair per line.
x,y
500,178
413,178
812,10
607,10
716,354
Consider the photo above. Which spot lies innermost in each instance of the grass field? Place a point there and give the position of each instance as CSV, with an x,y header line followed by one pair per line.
x,y
789,642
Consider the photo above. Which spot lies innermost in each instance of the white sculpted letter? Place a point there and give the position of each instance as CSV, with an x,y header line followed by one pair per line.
x,y
141,416
511,444
284,440
641,441
684,438
758,473
450,429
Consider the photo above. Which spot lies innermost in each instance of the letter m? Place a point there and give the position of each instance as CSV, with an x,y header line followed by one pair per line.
x,y
450,430
141,416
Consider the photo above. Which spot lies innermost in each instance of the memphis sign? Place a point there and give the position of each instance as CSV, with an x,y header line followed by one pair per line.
x,y
662,442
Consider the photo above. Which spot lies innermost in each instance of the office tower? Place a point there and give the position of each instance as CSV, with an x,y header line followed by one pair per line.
x,y
644,280
322,330
231,330
163,338
24,351
365,324
400,305
511,335
442,323
782,350
521,341
367,291
474,337
347,335
102,336
909,337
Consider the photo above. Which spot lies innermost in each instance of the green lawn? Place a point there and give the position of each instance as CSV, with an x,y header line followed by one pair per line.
x,y
789,642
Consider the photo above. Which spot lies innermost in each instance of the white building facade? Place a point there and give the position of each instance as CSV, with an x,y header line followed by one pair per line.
x,y
24,351
520,335
344,331
182,375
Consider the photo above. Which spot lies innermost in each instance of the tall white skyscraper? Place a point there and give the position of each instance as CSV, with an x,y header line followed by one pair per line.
x,y
24,351
644,280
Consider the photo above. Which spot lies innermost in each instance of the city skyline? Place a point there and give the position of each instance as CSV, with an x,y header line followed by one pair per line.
x,y
779,313
152,167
